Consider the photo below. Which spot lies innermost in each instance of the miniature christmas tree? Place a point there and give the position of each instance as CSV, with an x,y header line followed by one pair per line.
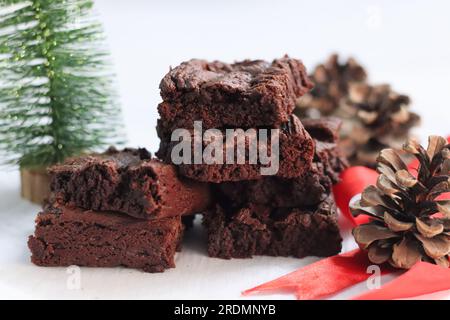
x,y
56,97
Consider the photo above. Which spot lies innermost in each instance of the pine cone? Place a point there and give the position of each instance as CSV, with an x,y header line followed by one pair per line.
x,y
374,117
409,222
331,82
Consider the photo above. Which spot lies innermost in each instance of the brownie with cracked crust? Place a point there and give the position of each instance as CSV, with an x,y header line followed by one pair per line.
x,y
261,230
128,181
296,152
247,94
67,236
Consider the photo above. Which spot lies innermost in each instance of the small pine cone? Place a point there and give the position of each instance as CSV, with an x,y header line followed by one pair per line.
x,y
374,117
409,221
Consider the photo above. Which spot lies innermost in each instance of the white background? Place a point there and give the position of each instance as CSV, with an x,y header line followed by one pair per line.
x,y
403,42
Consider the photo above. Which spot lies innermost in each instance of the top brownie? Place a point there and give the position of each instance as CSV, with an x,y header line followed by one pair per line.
x,y
244,94
128,181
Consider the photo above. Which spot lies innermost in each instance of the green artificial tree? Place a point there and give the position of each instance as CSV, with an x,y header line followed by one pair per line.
x,y
56,88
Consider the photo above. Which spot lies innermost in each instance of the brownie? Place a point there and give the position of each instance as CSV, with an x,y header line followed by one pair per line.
x,y
128,181
67,236
296,153
309,189
245,94
260,230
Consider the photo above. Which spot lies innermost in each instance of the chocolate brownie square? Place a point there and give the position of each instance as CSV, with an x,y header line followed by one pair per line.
x,y
296,152
309,189
260,230
67,236
245,94
128,181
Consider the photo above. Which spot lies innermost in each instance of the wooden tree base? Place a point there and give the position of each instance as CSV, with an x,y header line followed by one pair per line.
x,y
35,185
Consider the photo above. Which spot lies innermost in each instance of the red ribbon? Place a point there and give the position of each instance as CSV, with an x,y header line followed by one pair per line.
x,y
424,278
331,275
323,278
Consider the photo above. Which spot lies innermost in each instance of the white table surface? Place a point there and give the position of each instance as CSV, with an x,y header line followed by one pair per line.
x,y
402,42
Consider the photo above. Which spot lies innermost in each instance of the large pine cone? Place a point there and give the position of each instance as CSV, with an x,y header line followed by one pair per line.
x,y
410,222
374,117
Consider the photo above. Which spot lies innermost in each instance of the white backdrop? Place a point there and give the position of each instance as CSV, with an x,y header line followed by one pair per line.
x,y
403,42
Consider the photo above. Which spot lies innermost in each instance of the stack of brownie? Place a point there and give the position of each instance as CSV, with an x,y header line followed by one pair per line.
x,y
125,208
291,213
115,209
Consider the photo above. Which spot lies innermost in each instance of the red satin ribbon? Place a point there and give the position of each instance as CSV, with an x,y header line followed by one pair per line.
x,y
424,278
331,275
323,278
